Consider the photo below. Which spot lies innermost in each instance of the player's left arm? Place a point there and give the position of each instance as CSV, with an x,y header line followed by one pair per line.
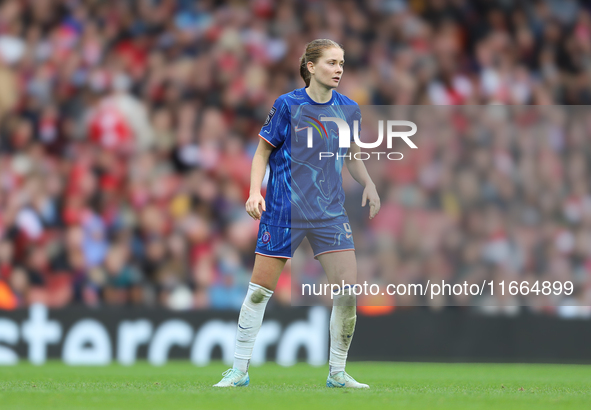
x,y
359,173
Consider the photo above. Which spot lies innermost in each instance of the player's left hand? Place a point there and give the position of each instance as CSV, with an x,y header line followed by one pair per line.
x,y
371,194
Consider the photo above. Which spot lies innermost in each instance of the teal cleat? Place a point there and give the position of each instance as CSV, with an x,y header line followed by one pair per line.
x,y
342,379
233,378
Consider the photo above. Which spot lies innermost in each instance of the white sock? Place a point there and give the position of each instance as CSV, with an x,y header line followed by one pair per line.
x,y
249,323
342,326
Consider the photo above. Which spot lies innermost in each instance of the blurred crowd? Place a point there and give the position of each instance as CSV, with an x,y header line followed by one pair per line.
x,y
127,129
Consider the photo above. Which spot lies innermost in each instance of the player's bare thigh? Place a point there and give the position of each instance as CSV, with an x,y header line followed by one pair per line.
x,y
267,270
339,266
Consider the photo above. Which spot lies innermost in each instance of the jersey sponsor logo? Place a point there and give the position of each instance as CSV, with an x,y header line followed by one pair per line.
x,y
270,116
266,238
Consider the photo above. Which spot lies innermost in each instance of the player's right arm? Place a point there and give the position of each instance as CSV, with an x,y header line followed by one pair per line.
x,y
255,205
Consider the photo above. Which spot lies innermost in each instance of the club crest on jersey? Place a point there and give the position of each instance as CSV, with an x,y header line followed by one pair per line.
x,y
266,238
270,116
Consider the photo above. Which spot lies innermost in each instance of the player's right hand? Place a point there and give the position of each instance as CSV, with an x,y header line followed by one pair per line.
x,y
255,206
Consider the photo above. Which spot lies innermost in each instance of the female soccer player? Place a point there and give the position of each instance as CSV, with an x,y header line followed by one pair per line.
x,y
304,199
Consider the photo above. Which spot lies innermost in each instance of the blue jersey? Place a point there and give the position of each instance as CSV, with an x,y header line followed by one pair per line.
x,y
305,189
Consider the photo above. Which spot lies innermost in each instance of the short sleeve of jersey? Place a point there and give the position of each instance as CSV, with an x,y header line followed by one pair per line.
x,y
276,128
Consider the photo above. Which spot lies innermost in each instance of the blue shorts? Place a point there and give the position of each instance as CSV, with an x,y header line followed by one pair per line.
x,y
280,242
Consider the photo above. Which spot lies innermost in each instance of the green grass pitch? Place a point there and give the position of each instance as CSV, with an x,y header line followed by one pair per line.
x,y
180,385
